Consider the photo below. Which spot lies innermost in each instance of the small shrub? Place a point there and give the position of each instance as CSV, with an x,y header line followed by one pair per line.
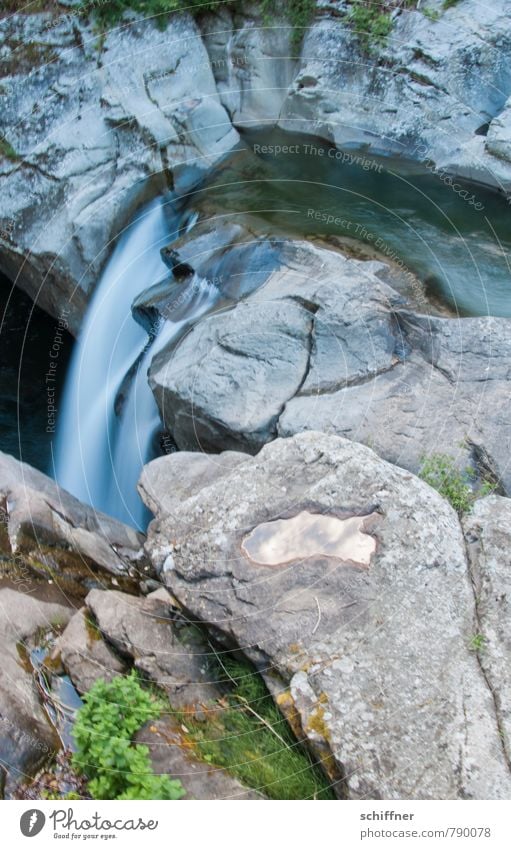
x,y
449,3
7,151
441,473
372,20
104,728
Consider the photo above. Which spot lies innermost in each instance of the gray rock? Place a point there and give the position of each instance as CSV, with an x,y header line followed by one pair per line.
x,y
26,737
54,532
391,102
488,533
161,643
171,755
97,127
326,344
84,655
376,661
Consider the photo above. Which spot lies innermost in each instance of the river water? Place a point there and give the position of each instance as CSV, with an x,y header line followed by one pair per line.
x,y
456,239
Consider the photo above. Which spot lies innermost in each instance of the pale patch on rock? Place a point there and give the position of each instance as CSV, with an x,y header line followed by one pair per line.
x,y
310,535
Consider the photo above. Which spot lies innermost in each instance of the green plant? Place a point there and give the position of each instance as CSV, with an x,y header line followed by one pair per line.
x,y
432,14
372,20
7,150
104,728
440,472
246,734
110,12
449,3
477,643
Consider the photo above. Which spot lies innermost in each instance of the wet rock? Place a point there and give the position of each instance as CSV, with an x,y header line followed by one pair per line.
x,y
390,101
374,663
85,655
52,533
95,128
326,344
26,737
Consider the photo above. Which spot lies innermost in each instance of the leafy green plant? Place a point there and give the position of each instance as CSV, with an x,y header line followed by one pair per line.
x,y
372,20
441,472
110,12
432,14
246,734
104,728
449,3
7,150
477,643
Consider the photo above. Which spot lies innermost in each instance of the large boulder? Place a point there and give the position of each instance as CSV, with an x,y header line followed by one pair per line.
x,y
346,581
27,738
91,127
50,533
326,344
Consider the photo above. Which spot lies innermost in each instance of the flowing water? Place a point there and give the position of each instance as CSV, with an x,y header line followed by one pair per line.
x,y
109,420
457,242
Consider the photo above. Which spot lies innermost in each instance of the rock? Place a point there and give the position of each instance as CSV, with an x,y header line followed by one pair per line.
x,y
188,471
53,534
161,643
498,140
389,102
84,655
488,533
151,633
26,737
373,662
326,343
95,127
170,755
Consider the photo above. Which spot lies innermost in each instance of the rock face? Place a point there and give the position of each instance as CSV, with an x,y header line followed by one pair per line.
x,y
389,102
374,663
49,532
92,128
26,736
326,344
488,534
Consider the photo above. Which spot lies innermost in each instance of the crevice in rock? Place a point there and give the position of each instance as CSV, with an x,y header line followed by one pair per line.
x,y
473,577
486,467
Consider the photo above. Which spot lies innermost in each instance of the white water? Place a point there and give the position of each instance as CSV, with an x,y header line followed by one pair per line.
x,y
99,456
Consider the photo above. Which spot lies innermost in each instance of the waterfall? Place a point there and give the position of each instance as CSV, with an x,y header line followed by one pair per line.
x,y
99,455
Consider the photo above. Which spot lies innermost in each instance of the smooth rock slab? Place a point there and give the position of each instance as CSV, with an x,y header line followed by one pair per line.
x,y
376,663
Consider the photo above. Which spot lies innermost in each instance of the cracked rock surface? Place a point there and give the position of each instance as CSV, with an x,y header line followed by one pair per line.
x,y
375,665
325,344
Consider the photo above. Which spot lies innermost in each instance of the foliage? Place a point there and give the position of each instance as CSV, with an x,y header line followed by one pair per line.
x,y
7,151
440,472
247,735
104,728
477,643
372,20
449,3
110,12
